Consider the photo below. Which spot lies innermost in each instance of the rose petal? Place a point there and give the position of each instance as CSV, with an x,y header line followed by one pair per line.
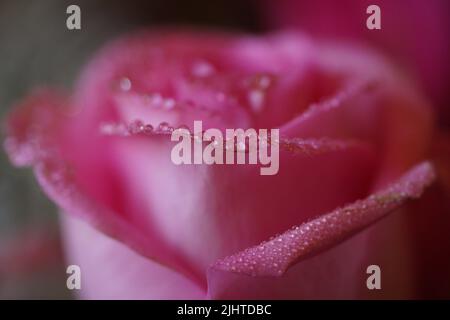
x,y
207,212
292,248
111,270
37,136
395,120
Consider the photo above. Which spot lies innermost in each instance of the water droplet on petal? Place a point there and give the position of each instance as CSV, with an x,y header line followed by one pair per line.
x,y
256,100
164,127
202,69
183,126
136,127
148,128
125,84
169,103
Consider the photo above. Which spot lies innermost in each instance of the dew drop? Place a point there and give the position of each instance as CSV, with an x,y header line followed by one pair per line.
x,y
148,128
169,103
202,69
183,126
125,84
136,127
256,100
164,127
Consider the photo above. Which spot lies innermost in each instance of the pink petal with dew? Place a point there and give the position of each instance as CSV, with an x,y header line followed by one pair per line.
x,y
302,243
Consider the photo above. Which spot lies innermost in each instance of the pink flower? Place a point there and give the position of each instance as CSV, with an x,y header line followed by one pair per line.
x,y
355,137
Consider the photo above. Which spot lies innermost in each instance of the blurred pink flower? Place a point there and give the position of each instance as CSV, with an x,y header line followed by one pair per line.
x,y
414,33
355,139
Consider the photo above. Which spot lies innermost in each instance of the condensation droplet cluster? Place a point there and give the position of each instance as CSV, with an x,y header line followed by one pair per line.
x,y
136,127
339,99
312,147
126,96
273,257
307,147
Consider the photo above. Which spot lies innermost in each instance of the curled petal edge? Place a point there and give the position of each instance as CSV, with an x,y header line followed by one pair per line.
x,y
273,258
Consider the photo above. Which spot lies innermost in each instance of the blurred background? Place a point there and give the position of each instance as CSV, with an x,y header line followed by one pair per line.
x,y
37,49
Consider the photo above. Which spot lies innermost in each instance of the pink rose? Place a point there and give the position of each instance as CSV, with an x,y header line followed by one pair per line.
x,y
355,137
